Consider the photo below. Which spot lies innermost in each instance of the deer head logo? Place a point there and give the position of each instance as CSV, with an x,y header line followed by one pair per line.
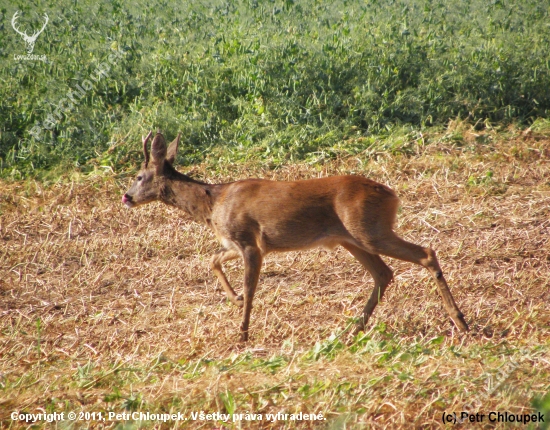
x,y
29,40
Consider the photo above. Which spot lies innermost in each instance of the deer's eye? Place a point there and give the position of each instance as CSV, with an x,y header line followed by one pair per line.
x,y
139,178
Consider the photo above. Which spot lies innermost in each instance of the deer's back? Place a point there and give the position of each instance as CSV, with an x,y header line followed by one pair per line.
x,y
281,216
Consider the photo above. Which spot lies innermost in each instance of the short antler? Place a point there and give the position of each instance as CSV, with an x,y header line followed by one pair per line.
x,y
145,151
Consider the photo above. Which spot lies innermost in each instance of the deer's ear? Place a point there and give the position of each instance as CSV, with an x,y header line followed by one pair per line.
x,y
158,149
173,150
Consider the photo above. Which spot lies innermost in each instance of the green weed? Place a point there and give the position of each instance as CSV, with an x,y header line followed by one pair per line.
x,y
272,81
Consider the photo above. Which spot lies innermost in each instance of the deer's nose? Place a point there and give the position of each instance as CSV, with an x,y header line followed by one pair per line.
x,y
126,198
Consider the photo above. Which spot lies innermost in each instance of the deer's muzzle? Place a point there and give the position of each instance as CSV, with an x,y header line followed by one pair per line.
x,y
127,200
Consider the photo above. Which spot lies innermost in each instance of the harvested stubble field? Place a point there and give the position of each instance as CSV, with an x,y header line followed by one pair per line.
x,y
105,309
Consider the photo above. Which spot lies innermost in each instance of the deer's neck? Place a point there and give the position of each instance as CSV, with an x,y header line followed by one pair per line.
x,y
193,197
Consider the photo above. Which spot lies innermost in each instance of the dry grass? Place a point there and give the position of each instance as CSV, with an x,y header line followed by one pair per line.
x,y
103,309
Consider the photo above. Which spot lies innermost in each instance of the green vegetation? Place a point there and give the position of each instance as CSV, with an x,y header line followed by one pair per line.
x,y
274,81
296,382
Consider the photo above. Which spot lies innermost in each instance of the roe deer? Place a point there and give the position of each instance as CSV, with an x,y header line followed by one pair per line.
x,y
253,217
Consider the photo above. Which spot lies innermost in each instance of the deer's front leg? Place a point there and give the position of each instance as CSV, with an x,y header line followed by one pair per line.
x,y
216,262
252,265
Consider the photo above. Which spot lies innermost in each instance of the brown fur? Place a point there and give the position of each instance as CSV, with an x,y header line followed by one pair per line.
x,y
254,217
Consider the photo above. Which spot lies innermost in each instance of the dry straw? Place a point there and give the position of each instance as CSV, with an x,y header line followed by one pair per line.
x,y
85,282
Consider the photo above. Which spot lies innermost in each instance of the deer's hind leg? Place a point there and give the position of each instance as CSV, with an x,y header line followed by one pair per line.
x,y
216,262
381,274
395,247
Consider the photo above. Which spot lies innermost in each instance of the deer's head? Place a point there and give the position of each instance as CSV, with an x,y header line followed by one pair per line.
x,y
156,170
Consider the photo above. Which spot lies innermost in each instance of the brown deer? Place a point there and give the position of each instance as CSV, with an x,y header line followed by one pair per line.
x,y
253,217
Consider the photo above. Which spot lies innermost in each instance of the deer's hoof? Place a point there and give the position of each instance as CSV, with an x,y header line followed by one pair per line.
x,y
238,301
244,336
461,323
360,327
